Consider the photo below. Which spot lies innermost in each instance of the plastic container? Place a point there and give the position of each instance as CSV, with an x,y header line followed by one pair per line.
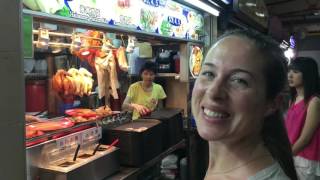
x,y
36,95
29,65
65,106
116,43
41,66
170,162
176,63
61,62
135,63
68,103
136,147
183,169
172,125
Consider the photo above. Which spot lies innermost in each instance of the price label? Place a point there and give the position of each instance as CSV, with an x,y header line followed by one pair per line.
x,y
85,137
73,140
61,143
81,138
91,134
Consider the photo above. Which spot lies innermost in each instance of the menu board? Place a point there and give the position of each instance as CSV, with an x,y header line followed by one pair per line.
x,y
165,17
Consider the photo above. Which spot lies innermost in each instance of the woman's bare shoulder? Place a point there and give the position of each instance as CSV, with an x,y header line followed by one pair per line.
x,y
315,102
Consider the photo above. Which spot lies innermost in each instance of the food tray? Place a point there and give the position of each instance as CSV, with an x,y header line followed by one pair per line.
x,y
114,120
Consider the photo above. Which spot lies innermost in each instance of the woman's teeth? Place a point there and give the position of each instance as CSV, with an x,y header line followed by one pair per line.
x,y
214,114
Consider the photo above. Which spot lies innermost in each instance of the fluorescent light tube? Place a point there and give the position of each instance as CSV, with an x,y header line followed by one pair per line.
x,y
225,1
213,3
203,6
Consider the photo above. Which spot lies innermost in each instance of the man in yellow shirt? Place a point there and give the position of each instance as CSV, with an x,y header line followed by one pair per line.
x,y
144,96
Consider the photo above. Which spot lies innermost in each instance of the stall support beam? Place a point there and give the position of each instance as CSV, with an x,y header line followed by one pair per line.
x,y
12,100
211,31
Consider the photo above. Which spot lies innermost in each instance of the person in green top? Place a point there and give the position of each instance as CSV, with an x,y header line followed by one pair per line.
x,y
144,96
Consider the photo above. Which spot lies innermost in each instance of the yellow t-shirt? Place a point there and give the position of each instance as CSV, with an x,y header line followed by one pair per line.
x,y
149,99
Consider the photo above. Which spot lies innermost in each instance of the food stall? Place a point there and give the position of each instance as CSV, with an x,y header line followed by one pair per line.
x,y
64,42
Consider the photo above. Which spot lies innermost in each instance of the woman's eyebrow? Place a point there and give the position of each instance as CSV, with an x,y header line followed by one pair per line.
x,y
233,71
209,64
242,71
237,70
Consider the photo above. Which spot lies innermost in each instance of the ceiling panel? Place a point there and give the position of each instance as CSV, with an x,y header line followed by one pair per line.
x,y
295,14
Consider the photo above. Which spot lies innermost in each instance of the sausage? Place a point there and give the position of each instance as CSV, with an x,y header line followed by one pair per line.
x,y
51,125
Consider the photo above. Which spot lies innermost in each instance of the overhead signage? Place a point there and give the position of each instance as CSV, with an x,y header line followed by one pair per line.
x,y
155,3
165,17
174,21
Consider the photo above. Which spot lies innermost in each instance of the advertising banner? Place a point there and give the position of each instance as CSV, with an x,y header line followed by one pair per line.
x,y
164,17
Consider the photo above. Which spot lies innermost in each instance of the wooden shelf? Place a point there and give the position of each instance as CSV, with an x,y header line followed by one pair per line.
x,y
129,172
175,75
170,75
35,76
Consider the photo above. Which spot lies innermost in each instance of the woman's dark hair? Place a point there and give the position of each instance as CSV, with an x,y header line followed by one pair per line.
x,y
150,66
310,76
273,131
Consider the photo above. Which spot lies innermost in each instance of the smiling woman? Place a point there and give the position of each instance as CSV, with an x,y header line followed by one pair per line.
x,y
236,107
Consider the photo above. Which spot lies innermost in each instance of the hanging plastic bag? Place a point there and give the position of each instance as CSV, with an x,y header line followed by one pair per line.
x,y
145,50
122,59
131,44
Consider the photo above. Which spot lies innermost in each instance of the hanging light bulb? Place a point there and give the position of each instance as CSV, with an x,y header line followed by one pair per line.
x,y
43,39
289,54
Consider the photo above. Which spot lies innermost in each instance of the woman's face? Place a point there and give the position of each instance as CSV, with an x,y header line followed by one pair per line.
x,y
229,97
147,76
295,78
